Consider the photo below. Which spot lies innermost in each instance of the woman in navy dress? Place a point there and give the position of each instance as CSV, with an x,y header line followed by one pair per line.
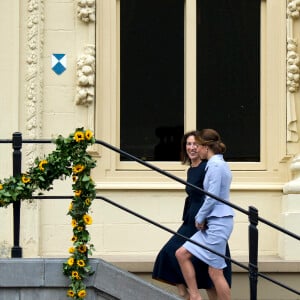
x,y
214,220
166,267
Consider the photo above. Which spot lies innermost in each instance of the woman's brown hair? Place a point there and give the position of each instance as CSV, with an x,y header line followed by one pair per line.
x,y
211,138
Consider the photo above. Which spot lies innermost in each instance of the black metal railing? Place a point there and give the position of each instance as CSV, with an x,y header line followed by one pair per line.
x,y
252,213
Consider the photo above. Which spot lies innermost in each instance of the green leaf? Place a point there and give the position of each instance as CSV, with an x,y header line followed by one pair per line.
x,y
86,178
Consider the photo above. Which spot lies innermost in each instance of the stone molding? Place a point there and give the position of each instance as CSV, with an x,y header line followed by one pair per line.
x,y
34,75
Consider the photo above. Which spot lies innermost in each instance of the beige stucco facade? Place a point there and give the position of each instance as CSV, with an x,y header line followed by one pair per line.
x,y
41,104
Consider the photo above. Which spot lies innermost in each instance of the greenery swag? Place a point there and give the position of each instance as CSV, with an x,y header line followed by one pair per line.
x,y
69,159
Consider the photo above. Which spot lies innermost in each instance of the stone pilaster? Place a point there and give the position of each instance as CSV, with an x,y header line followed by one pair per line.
x,y
289,248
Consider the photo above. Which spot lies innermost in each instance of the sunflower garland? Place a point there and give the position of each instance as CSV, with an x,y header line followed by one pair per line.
x,y
69,159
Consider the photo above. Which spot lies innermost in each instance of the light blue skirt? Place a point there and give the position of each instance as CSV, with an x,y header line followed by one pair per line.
x,y
214,237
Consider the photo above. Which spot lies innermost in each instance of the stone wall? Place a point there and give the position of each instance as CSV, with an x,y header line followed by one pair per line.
x,y
27,279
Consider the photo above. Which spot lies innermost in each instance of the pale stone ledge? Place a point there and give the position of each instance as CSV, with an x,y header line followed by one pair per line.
x,y
266,264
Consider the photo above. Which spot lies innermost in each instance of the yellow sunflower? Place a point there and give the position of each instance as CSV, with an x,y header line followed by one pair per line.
x,y
81,293
78,193
80,263
77,169
1,186
74,238
88,135
70,293
88,201
79,136
42,163
71,261
71,250
75,274
82,248
73,223
25,179
87,219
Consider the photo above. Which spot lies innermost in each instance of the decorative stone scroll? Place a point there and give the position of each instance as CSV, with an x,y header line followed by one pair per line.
x,y
86,10
86,77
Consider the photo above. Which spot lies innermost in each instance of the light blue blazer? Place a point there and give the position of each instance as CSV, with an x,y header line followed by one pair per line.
x,y
217,181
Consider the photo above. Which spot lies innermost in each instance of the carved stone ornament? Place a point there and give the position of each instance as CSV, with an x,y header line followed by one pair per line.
x,y
292,71
34,75
293,8
293,62
85,90
86,10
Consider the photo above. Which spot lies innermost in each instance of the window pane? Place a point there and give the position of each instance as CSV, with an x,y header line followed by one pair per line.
x,y
151,83
228,74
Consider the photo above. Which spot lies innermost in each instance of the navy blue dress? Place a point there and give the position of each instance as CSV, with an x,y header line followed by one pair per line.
x,y
166,267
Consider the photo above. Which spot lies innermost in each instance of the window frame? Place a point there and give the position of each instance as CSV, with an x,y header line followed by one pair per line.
x,y
268,172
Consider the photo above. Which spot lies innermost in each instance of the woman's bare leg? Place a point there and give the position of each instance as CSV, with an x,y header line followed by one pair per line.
x,y
220,283
212,294
188,271
182,291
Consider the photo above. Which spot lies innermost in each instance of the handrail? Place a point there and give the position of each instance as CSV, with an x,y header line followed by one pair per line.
x,y
252,212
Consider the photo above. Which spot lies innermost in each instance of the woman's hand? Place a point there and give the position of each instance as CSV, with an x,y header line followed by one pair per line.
x,y
200,226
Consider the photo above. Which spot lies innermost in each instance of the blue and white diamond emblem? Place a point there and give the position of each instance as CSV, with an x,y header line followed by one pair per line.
x,y
59,63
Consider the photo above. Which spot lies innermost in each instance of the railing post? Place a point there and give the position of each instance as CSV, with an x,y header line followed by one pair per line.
x,y
16,250
253,251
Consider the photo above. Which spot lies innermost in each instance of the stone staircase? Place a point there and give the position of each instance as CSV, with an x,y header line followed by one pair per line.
x,y
42,279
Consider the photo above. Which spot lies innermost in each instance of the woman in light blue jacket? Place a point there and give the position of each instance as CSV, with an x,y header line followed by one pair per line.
x,y
214,219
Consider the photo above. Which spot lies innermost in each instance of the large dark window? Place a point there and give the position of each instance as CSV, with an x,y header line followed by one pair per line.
x,y
152,74
228,74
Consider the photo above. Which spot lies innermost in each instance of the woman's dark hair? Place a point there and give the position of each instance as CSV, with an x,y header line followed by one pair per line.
x,y
211,138
184,156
